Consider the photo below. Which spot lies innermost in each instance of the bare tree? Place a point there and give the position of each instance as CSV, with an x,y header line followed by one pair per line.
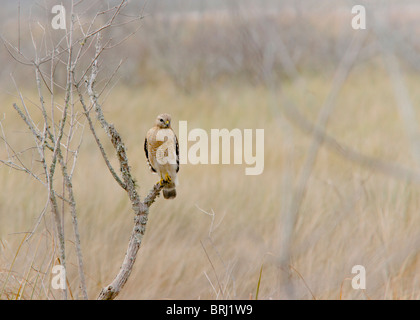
x,y
58,136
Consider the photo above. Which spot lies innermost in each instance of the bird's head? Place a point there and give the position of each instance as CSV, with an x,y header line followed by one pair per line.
x,y
163,120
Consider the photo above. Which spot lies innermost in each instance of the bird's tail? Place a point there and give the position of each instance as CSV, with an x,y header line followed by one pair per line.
x,y
169,191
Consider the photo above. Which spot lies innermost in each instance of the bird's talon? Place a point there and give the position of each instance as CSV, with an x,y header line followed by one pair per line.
x,y
167,178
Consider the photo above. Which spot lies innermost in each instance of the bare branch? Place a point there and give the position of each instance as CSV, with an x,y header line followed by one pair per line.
x,y
141,209
98,142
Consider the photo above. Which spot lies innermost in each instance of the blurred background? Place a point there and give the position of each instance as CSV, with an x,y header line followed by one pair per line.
x,y
340,187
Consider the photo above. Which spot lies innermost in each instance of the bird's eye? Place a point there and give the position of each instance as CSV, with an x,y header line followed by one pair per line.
x,y
161,120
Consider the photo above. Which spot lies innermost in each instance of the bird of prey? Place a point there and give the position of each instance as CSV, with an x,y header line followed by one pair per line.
x,y
162,153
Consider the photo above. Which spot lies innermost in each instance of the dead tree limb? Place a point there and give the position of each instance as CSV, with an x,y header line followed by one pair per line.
x,y
53,135
127,182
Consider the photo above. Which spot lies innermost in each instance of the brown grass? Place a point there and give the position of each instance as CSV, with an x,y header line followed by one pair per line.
x,y
349,215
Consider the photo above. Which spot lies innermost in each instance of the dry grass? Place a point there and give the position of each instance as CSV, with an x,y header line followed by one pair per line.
x,y
349,215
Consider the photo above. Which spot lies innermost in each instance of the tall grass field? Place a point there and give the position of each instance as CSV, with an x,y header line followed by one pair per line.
x,y
221,237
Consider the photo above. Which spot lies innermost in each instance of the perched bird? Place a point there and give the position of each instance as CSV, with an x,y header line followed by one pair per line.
x,y
162,153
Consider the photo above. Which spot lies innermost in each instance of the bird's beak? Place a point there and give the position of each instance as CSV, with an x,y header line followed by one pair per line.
x,y
167,122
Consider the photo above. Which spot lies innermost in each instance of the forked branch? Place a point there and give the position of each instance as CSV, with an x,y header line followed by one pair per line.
x,y
141,209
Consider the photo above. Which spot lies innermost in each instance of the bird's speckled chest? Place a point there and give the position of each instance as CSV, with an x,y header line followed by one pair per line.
x,y
161,145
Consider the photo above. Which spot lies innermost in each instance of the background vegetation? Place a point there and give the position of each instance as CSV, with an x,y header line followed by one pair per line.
x,y
237,65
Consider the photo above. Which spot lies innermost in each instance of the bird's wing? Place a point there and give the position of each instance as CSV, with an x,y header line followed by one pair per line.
x,y
147,155
177,153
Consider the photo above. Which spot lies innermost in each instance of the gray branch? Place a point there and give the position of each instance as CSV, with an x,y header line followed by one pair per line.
x,y
141,209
